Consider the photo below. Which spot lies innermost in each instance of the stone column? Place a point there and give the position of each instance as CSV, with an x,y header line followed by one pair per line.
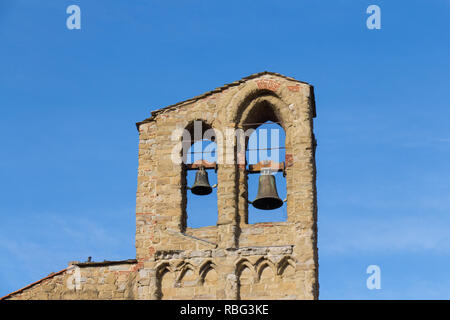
x,y
227,194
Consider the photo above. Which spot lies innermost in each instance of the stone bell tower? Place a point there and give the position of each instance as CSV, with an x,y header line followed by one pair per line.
x,y
233,259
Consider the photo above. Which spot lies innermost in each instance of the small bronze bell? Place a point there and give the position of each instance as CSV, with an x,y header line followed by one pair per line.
x,y
267,197
201,185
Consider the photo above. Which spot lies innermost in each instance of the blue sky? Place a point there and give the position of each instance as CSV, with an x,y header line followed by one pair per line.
x,y
69,100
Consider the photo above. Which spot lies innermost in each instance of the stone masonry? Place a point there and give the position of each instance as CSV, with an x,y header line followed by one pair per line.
x,y
233,259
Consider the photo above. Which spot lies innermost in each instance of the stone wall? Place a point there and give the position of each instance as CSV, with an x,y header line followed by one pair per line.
x,y
233,259
244,273
93,281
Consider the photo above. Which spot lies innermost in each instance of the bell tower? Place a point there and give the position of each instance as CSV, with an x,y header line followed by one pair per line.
x,y
232,259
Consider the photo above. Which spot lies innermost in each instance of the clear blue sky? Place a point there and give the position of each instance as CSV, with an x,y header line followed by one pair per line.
x,y
69,100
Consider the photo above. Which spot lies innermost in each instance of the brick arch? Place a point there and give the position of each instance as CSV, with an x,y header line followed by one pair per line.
x,y
283,264
163,267
265,108
205,268
252,106
184,269
261,265
244,289
241,264
245,100
165,280
183,280
208,281
263,268
287,280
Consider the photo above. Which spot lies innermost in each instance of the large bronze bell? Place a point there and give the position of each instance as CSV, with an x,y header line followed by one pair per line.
x,y
201,185
267,197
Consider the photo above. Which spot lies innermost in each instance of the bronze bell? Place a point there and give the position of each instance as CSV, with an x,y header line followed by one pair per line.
x,y
201,185
267,197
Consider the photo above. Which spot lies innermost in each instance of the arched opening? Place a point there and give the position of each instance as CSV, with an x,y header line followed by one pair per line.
x,y
188,277
245,282
199,146
166,284
286,272
208,282
266,143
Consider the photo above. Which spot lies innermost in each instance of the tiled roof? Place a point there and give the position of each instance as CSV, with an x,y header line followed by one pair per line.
x,y
219,89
